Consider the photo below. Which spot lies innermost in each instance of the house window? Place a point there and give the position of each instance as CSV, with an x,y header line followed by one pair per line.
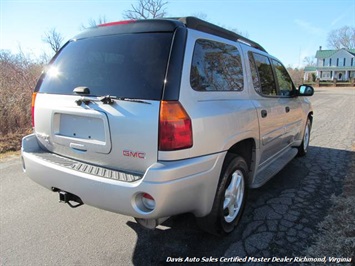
x,y
330,61
323,62
326,75
352,61
344,61
337,61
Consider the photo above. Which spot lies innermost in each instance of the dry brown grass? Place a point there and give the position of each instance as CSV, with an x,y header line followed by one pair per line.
x,y
12,141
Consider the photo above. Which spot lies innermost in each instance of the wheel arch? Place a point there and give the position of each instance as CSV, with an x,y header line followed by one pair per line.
x,y
247,149
310,117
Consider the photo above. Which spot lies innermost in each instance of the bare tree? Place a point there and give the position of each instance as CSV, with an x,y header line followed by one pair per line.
x,y
204,16
94,22
146,9
54,39
342,38
296,75
309,61
201,15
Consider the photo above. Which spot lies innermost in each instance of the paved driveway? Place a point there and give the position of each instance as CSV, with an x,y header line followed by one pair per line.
x,y
280,218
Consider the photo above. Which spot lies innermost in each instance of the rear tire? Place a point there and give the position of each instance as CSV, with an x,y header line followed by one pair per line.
x,y
303,148
230,197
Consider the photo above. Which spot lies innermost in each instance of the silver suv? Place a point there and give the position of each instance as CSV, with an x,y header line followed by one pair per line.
x,y
156,118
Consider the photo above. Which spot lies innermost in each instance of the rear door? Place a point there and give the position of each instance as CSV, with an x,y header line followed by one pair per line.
x,y
269,106
99,100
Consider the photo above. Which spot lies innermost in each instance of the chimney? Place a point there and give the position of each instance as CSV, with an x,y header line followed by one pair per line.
x,y
320,48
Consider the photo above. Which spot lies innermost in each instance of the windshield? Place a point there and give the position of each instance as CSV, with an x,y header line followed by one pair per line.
x,y
126,65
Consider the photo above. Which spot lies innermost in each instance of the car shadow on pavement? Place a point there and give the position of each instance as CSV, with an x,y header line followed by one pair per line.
x,y
280,218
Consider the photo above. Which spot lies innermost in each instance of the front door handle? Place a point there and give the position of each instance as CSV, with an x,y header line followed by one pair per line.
x,y
287,109
263,113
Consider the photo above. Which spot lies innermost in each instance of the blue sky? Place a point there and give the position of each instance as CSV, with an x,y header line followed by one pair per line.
x,y
287,29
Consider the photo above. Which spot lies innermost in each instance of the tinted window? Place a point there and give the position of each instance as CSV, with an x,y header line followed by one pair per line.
x,y
283,78
264,81
216,67
127,65
254,74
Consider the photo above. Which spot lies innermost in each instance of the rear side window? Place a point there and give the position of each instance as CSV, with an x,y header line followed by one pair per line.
x,y
263,78
126,65
216,67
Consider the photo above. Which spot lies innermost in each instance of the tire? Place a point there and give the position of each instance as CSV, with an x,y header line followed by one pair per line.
x,y
230,198
303,148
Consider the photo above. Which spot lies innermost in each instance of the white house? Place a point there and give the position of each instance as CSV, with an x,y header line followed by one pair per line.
x,y
335,64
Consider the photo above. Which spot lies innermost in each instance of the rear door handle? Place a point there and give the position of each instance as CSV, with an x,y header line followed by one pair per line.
x,y
287,109
263,113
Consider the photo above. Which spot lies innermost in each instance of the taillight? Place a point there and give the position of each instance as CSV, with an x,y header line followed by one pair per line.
x,y
33,108
175,129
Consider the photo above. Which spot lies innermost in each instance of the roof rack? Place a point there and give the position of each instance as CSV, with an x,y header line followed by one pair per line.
x,y
201,25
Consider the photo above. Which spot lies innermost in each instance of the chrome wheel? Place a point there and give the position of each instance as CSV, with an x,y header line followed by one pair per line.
x,y
233,197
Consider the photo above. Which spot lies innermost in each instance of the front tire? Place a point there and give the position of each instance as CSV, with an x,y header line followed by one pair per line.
x,y
230,197
303,148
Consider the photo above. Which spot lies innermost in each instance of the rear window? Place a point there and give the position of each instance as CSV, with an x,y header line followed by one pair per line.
x,y
127,65
216,67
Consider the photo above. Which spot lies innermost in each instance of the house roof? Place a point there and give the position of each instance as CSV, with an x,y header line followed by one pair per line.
x,y
328,53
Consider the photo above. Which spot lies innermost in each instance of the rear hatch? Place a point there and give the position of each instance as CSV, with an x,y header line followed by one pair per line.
x,y
99,99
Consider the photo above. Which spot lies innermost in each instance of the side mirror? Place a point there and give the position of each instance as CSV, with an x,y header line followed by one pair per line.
x,y
305,90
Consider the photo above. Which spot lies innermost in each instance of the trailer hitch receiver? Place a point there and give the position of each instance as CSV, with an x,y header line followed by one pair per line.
x,y
73,200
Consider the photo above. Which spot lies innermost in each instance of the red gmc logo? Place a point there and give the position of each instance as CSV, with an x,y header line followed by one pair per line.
x,y
134,154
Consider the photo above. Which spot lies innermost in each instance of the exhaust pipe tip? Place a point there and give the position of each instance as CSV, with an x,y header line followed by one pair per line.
x,y
151,223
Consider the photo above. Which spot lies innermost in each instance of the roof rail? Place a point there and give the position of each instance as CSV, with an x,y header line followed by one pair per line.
x,y
201,25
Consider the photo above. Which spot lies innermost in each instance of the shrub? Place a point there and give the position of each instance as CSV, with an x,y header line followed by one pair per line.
x,y
18,77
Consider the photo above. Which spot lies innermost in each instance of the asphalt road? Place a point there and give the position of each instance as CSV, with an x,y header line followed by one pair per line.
x,y
280,218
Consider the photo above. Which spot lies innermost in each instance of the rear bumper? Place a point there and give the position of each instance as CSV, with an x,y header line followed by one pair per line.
x,y
177,187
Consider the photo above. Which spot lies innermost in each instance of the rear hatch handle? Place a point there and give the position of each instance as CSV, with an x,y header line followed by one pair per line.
x,y
77,146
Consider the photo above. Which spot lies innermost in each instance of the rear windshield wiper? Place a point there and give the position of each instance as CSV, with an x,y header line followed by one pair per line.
x,y
131,100
82,90
110,99
107,100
